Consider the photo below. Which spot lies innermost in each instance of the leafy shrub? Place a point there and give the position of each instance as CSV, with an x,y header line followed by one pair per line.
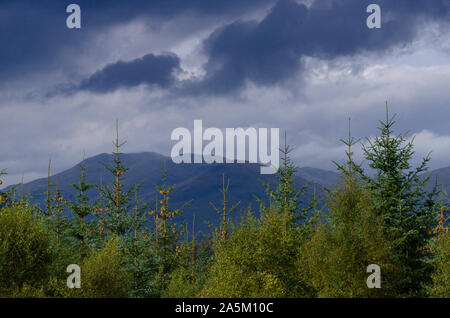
x,y
441,275
258,259
344,245
185,282
25,253
102,274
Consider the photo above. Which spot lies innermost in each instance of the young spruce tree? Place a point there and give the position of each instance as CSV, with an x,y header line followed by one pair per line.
x,y
4,198
347,240
117,198
440,246
82,208
401,199
166,233
259,258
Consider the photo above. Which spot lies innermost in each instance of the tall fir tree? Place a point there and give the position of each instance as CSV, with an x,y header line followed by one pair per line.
x,y
4,198
82,209
225,212
117,199
139,254
48,192
166,232
440,247
259,259
348,239
57,205
407,208
286,197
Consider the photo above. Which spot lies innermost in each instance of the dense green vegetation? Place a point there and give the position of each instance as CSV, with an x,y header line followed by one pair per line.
x,y
381,215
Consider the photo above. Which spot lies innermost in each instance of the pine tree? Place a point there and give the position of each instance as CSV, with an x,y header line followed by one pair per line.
x,y
259,259
48,193
166,232
189,277
4,198
100,212
139,255
225,212
401,199
22,198
286,198
440,247
348,240
82,208
57,205
103,272
260,256
193,243
117,198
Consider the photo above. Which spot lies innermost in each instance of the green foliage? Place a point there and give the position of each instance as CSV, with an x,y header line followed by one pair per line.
x,y
83,230
48,191
117,198
141,264
57,288
189,278
441,250
25,254
103,274
166,234
58,223
186,282
441,275
286,197
140,259
347,240
28,291
81,207
386,218
259,259
407,209
4,196
225,212
343,245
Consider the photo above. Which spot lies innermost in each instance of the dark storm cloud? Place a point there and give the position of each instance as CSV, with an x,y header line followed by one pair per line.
x,y
269,51
34,37
30,35
150,69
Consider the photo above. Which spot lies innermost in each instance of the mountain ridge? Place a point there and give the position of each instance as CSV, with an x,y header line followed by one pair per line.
x,y
197,182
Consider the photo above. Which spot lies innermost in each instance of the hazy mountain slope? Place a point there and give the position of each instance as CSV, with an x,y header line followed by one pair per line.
x,y
319,176
441,176
197,182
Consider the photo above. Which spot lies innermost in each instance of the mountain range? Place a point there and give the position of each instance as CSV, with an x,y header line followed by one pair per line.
x,y
197,183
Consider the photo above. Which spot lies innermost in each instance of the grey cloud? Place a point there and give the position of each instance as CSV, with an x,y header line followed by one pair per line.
x,y
269,51
34,37
149,69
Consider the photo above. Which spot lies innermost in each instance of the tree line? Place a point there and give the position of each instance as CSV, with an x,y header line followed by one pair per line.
x,y
380,214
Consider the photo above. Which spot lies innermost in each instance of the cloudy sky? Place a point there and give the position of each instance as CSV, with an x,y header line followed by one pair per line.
x,y
302,66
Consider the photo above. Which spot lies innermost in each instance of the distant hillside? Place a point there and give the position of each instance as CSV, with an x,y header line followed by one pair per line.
x,y
323,177
197,182
441,176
